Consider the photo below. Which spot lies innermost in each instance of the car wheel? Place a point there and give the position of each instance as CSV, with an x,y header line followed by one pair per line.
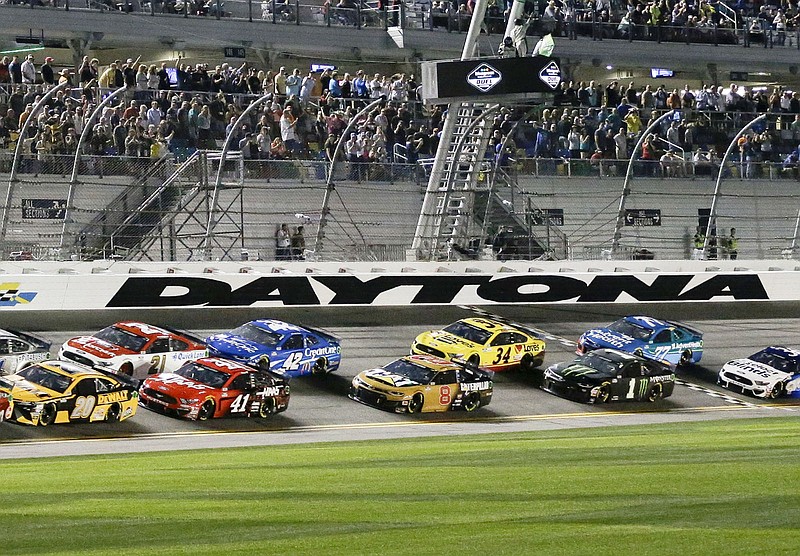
x,y
267,408
263,363
126,369
686,358
320,367
526,363
113,413
777,390
602,394
638,352
655,393
48,414
416,403
472,401
474,359
206,411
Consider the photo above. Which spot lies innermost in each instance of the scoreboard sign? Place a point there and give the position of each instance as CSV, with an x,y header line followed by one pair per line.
x,y
489,79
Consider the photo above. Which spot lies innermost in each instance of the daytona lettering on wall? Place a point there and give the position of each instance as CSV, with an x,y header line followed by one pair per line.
x,y
394,290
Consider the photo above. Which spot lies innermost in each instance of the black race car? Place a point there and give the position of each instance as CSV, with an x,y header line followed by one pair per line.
x,y
606,375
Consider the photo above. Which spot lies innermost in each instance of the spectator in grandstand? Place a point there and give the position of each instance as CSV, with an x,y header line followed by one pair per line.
x,y
283,242
46,71
288,133
28,70
746,157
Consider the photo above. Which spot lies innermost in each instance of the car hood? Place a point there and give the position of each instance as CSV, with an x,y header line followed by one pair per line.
x,y
178,386
98,348
444,340
235,345
754,370
385,378
25,391
608,338
576,372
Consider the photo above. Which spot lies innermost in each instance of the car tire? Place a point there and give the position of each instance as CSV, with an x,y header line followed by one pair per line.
x,y
686,358
113,413
320,367
656,393
126,368
603,394
472,401
267,408
638,352
263,363
475,360
777,390
526,363
206,411
416,403
48,414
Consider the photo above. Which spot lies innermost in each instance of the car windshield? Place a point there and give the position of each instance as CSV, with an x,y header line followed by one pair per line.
x,y
599,363
629,329
119,337
410,370
204,375
46,378
469,332
258,335
775,361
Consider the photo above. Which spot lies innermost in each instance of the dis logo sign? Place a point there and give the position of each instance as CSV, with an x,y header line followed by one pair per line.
x,y
10,295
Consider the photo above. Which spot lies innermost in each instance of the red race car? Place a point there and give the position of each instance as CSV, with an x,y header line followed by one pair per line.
x,y
214,387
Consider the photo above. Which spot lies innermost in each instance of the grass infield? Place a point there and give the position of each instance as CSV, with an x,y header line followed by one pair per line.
x,y
721,487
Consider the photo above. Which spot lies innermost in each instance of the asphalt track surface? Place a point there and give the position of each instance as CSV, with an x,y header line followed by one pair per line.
x,y
320,411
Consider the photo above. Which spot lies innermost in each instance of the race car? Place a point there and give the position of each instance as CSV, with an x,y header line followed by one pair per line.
x,y
65,392
483,342
772,372
606,375
283,348
6,399
214,387
418,383
134,349
668,342
20,349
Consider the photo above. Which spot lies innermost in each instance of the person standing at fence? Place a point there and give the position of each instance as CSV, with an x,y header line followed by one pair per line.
x,y
298,244
283,243
698,241
732,243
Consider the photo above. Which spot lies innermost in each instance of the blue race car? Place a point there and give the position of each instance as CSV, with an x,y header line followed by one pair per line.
x,y
278,346
668,342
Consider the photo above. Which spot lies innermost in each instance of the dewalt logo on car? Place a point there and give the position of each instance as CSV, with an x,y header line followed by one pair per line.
x,y
112,397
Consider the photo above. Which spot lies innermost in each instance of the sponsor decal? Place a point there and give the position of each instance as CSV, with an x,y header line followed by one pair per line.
x,y
662,378
316,352
475,386
613,339
754,368
352,290
484,77
551,75
11,295
112,397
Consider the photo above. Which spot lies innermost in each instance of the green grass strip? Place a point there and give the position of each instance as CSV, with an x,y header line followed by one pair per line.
x,y
720,487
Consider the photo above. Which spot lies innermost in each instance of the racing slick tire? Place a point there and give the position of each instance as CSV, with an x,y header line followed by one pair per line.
x,y
206,411
113,413
263,363
472,401
526,363
638,352
48,414
320,367
777,390
602,394
126,368
267,408
416,403
475,360
655,393
686,358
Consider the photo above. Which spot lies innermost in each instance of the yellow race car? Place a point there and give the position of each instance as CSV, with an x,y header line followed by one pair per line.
x,y
422,383
484,342
65,392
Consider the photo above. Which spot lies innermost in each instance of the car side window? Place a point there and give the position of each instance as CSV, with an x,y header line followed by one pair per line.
x,y
312,341
663,337
678,335
295,341
5,347
241,382
632,370
177,345
160,345
502,339
103,385
85,387
445,377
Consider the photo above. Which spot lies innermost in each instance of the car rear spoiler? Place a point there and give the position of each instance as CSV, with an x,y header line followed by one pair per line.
x,y
499,318
38,341
319,331
186,334
691,329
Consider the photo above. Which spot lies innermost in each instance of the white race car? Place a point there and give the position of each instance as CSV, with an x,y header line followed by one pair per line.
x,y
134,349
770,373
20,349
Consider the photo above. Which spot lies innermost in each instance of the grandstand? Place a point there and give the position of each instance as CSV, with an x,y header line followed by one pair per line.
x,y
555,190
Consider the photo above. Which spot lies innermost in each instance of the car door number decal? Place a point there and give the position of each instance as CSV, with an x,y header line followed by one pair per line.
x,y
157,364
502,356
444,395
83,407
239,405
293,361
661,352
